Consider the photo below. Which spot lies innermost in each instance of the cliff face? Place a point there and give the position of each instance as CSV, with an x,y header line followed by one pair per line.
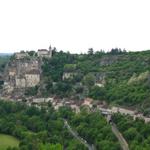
x,y
21,73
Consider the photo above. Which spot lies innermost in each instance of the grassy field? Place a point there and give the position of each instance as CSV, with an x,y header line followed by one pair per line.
x,y
7,140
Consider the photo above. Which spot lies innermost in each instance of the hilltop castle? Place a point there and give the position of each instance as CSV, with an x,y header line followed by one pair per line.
x,y
45,53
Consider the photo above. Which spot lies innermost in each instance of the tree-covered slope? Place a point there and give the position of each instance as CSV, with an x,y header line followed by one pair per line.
x,y
136,132
125,76
44,129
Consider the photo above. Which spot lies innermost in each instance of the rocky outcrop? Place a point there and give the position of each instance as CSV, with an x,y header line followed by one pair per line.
x,y
20,73
108,60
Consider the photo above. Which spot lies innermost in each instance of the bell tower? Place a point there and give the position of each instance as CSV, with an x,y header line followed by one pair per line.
x,y
50,51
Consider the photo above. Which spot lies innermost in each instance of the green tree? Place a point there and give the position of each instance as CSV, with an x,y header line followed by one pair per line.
x,y
89,80
98,93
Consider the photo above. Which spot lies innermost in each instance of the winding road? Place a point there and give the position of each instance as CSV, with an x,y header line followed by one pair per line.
x,y
120,138
75,134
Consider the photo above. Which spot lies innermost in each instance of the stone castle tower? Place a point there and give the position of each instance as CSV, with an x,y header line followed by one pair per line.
x,y
45,53
50,51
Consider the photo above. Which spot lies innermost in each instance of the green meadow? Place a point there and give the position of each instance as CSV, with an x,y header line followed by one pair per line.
x,y
8,141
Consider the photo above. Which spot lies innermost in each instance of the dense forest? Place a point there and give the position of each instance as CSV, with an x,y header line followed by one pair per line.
x,y
43,128
94,128
136,132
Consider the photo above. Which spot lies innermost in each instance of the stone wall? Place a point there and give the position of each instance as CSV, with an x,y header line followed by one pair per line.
x,y
21,55
8,88
20,83
44,53
32,79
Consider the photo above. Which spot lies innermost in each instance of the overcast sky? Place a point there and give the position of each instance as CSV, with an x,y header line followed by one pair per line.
x,y
74,25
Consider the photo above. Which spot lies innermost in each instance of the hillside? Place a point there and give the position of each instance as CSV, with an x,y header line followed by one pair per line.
x,y
118,77
6,54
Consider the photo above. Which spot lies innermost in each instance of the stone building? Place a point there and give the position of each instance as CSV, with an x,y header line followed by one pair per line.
x,y
32,78
12,72
21,55
20,82
68,75
7,88
45,53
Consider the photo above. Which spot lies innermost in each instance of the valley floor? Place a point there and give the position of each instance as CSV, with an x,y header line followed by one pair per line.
x,y
8,141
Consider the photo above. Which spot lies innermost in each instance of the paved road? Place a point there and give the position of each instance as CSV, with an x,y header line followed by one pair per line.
x,y
75,134
121,139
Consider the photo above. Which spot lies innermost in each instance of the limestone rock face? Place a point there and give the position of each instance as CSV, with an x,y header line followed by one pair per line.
x,y
32,79
21,72
20,83
108,60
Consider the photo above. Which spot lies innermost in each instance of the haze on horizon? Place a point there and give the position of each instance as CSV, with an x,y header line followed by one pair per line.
x,y
74,25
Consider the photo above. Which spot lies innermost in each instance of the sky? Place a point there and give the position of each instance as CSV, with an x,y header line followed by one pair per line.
x,y
74,25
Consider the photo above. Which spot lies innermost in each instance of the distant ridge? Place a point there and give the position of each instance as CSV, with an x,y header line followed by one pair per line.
x,y
6,54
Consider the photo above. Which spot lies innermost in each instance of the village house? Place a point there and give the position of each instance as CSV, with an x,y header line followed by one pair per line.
x,y
75,108
12,72
58,105
42,100
7,87
38,100
68,75
88,102
122,111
